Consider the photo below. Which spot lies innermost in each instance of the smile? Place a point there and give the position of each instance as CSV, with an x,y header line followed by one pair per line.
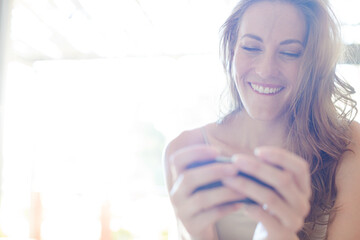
x,y
264,89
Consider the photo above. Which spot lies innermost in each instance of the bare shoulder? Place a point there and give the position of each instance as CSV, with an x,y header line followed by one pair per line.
x,y
188,138
355,128
345,224
351,159
348,174
185,139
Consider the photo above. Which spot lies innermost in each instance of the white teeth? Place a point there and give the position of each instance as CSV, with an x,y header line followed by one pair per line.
x,y
265,90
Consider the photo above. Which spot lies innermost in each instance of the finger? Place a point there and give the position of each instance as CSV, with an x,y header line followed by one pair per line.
x,y
276,205
185,185
269,222
289,161
209,174
195,178
204,219
257,213
281,180
183,157
207,199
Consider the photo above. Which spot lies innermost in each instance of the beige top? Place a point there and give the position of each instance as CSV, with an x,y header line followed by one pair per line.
x,y
236,226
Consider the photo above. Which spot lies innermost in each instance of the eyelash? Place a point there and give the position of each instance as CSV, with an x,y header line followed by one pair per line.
x,y
251,49
287,54
292,55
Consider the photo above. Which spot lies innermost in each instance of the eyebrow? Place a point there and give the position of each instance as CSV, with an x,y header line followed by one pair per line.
x,y
252,36
285,42
290,41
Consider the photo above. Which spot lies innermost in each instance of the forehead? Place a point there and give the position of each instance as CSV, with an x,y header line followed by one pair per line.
x,y
273,21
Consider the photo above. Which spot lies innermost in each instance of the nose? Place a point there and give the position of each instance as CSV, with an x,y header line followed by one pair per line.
x,y
266,66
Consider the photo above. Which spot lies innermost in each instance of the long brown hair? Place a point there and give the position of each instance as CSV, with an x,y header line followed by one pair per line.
x,y
322,110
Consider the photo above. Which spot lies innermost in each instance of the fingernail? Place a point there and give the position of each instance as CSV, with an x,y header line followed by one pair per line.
x,y
257,151
234,157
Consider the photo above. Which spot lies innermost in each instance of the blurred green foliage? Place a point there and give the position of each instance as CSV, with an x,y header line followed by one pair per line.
x,y
122,234
164,235
2,234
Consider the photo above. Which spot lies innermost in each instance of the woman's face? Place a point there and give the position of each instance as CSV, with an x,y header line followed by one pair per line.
x,y
267,58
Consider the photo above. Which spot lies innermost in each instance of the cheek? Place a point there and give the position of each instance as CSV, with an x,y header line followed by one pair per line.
x,y
292,75
292,72
241,66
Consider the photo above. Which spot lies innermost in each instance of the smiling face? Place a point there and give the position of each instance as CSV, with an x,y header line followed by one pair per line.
x,y
267,58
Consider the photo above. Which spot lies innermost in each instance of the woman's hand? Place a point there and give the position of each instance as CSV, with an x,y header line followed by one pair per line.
x,y
199,211
282,212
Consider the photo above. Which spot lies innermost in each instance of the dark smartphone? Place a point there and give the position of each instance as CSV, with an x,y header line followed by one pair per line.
x,y
219,183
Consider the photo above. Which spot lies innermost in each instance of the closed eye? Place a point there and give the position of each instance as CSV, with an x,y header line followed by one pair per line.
x,y
251,49
291,54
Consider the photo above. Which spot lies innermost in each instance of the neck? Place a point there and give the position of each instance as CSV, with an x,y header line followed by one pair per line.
x,y
253,133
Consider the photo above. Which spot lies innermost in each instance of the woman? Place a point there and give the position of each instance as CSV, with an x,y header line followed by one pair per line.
x,y
283,128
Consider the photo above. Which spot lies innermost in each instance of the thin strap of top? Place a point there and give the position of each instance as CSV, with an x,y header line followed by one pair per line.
x,y
204,135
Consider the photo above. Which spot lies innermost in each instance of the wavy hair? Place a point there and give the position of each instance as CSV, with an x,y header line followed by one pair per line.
x,y
322,109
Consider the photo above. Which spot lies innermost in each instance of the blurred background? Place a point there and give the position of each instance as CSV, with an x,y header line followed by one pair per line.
x,y
91,92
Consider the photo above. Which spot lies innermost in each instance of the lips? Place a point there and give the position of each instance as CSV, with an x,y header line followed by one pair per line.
x,y
266,90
